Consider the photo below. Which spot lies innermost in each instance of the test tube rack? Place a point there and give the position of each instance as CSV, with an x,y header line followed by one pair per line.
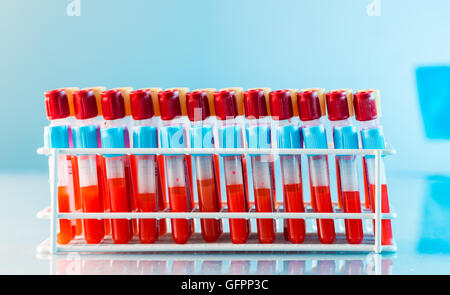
x,y
370,244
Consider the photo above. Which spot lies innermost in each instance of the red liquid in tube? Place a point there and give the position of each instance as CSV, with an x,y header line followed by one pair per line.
x,y
101,176
91,198
293,197
66,227
325,227
266,227
179,196
76,189
94,229
237,198
320,193
208,196
145,187
264,196
162,203
386,228
350,197
293,201
122,229
66,202
211,228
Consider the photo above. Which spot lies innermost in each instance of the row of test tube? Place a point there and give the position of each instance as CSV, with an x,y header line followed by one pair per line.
x,y
205,118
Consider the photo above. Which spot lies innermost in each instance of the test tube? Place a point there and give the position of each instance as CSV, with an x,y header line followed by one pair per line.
x,y
98,121
230,136
59,135
86,135
311,107
345,136
176,168
114,134
289,136
161,189
144,167
368,112
201,131
259,136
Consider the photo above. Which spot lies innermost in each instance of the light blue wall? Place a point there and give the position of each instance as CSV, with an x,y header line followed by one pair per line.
x,y
297,44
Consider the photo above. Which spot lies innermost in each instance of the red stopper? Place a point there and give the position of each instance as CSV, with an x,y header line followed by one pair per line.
x,y
113,105
57,104
281,104
141,104
365,105
197,105
309,105
169,104
255,104
225,104
337,105
85,104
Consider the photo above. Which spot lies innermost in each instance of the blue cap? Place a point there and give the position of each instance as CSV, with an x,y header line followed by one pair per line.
x,y
201,137
85,137
145,137
172,137
373,139
258,137
58,136
315,137
289,137
345,137
113,137
230,137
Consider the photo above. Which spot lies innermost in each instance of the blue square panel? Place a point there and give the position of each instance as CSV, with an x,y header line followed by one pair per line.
x,y
433,85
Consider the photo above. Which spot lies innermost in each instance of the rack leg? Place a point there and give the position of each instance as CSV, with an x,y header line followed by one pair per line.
x,y
377,202
53,200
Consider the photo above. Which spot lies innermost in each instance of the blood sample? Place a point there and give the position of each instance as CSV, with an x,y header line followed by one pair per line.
x,y
230,136
161,190
67,228
129,123
259,136
98,121
176,168
289,136
201,132
59,135
114,134
144,167
87,135
345,136
311,107
368,112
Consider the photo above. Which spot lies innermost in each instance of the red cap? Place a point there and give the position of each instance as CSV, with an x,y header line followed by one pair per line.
x,y
255,104
337,105
197,100
57,104
365,103
309,105
141,104
281,104
85,104
113,105
169,104
225,104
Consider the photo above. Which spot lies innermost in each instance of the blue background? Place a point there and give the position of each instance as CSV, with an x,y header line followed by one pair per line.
x,y
279,44
405,52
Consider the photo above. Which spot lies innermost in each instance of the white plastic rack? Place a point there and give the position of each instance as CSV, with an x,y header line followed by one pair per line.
x,y
371,242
